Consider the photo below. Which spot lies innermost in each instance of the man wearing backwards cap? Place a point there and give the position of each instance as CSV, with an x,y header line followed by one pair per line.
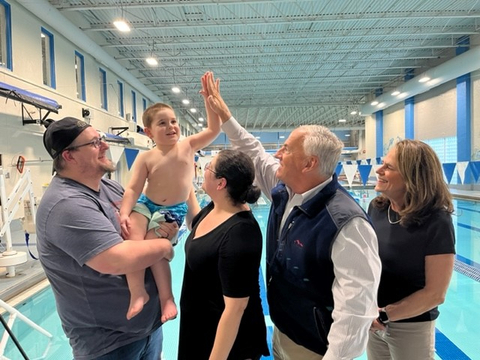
x,y
84,255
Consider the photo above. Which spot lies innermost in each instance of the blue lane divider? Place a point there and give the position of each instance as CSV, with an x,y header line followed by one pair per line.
x,y
467,209
469,227
468,262
446,349
467,270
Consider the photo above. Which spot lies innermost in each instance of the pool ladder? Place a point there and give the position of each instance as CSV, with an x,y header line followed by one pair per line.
x,y
9,206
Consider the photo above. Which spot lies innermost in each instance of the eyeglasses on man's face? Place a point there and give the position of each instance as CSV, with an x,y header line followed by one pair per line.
x,y
95,143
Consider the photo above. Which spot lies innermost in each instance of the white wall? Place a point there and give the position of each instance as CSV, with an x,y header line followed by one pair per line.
x,y
475,77
370,137
393,125
436,112
434,117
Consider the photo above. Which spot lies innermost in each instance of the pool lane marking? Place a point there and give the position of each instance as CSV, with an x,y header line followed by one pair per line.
x,y
446,349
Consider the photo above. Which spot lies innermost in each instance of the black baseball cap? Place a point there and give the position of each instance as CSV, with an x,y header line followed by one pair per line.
x,y
61,133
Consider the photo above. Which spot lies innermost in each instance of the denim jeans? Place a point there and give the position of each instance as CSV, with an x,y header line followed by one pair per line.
x,y
148,348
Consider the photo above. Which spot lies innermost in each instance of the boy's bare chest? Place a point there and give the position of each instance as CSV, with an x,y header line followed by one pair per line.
x,y
179,160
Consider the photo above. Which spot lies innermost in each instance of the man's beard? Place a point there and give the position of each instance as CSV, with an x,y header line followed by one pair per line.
x,y
109,167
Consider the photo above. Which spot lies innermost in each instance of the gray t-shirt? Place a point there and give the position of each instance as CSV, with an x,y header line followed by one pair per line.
x,y
75,223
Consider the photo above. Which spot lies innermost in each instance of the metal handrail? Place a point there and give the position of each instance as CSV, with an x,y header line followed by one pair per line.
x,y
17,344
14,313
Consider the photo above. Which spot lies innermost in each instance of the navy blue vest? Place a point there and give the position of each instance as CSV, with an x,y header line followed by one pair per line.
x,y
299,267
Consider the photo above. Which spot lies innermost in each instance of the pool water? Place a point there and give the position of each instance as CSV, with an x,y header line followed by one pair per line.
x,y
457,336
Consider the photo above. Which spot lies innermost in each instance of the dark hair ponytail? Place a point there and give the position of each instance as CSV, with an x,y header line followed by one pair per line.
x,y
252,194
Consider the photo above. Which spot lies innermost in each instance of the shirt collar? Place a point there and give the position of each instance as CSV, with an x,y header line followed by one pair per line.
x,y
307,195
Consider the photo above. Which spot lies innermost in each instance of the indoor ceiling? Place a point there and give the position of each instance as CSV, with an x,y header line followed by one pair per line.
x,y
282,63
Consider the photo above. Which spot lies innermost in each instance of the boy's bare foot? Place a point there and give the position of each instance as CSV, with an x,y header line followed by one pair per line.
x,y
169,310
136,304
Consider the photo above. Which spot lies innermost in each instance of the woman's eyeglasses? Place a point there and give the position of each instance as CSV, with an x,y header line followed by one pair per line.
x,y
207,167
95,142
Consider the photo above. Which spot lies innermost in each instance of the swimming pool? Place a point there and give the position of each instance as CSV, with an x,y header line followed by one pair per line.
x,y
457,327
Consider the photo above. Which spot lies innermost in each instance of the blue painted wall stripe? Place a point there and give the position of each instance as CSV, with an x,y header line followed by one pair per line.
x,y
410,118
379,132
464,118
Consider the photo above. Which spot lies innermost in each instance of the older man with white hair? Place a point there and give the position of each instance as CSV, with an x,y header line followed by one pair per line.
x,y
323,267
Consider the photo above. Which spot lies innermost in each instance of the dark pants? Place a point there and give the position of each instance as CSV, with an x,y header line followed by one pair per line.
x,y
148,348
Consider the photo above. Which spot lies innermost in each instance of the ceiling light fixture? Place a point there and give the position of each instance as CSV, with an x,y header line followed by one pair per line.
x,y
373,103
201,119
353,112
186,101
424,79
175,89
193,110
434,82
395,93
342,120
121,23
152,59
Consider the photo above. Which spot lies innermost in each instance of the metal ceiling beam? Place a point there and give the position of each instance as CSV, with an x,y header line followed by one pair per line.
x,y
323,35
342,73
364,16
258,67
296,49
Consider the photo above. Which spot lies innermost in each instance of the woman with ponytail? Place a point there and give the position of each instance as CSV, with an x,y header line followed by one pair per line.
x,y
221,313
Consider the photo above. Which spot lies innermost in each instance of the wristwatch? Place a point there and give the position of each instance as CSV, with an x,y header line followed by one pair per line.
x,y
383,317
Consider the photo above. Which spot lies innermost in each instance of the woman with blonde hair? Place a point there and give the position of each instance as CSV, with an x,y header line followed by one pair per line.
x,y
412,219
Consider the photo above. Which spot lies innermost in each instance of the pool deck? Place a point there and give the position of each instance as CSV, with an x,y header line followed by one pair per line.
x,y
27,274
465,194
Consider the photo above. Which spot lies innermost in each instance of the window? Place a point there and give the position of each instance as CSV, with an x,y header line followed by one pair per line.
x,y
5,35
80,76
103,88
144,103
134,106
446,149
121,111
48,58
